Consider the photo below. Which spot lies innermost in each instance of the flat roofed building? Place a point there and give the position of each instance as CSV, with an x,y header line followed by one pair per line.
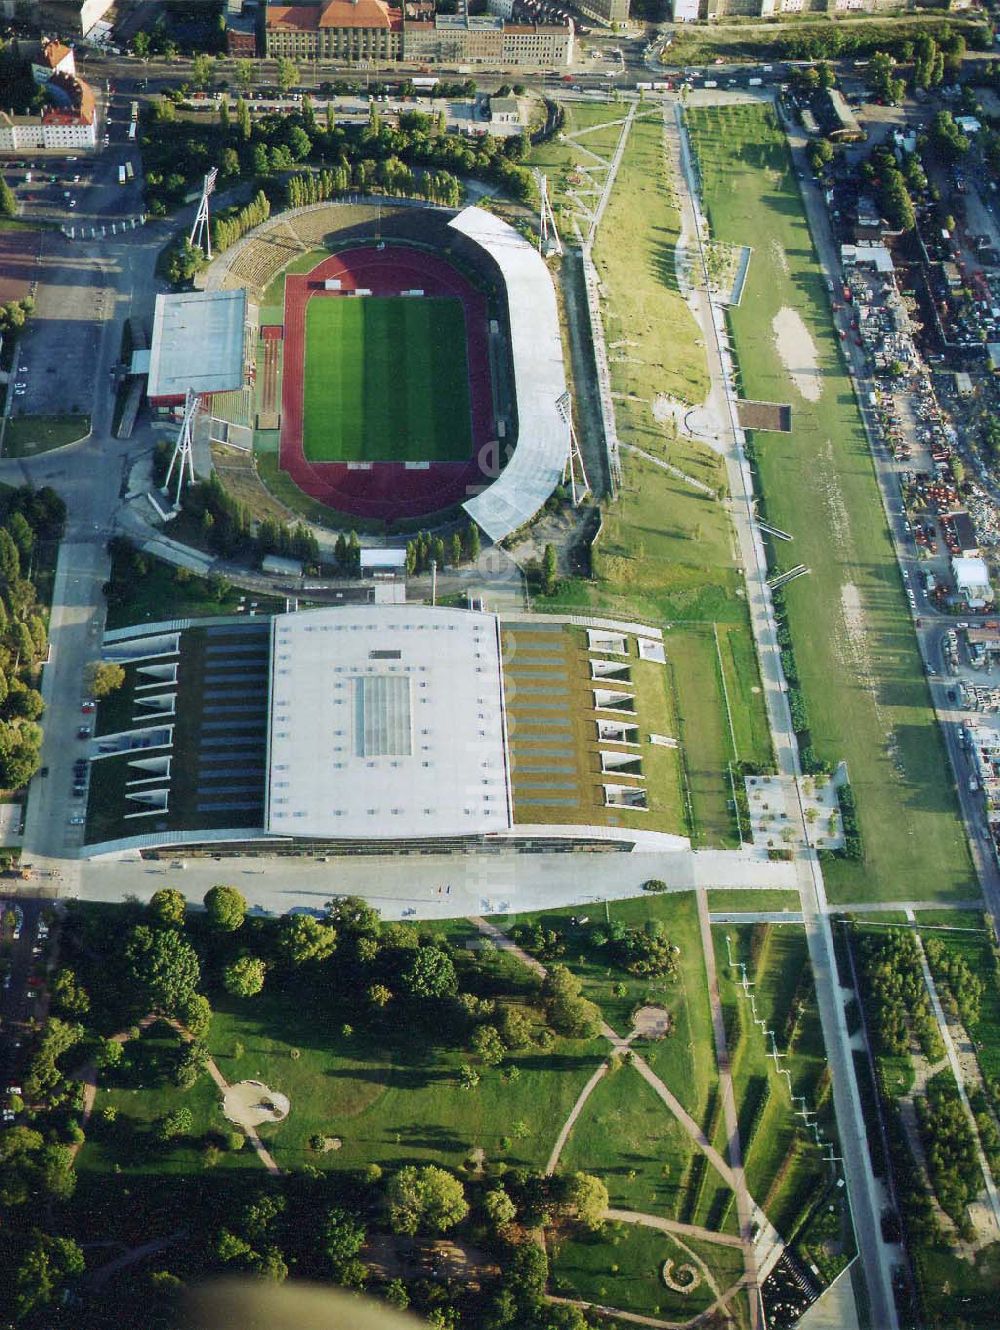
x,y
199,342
387,725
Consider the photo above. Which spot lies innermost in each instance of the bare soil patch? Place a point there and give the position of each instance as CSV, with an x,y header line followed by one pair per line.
x,y
798,352
251,1103
652,1022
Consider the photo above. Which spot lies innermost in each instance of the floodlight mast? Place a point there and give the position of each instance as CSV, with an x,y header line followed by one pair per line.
x,y
183,457
548,234
201,232
574,458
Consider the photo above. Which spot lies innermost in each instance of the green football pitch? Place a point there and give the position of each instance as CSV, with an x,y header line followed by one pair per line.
x,y
386,380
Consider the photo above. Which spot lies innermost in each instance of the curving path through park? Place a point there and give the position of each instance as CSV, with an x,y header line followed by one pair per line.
x,y
88,1075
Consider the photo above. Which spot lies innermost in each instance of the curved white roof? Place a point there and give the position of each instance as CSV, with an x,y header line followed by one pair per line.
x,y
536,467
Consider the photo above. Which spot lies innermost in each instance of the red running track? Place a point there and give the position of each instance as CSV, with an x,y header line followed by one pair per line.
x,y
386,490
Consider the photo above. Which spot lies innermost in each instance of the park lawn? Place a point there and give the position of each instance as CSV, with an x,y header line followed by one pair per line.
x,y
621,1268
971,919
390,1094
128,1143
733,901
27,436
685,1059
386,380
861,673
626,1136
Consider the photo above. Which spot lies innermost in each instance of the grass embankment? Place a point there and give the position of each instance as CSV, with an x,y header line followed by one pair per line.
x,y
665,552
784,1167
161,591
860,669
799,36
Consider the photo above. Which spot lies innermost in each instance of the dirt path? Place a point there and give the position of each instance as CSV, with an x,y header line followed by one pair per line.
x,y
570,1122
99,1277
673,1226
993,1197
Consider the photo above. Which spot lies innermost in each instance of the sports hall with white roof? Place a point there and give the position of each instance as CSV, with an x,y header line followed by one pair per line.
x,y
386,725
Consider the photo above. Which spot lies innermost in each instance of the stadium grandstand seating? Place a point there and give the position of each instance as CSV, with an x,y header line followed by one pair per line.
x,y
260,260
314,227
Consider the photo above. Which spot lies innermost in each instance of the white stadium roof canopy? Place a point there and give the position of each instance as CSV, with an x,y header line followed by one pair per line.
x,y
536,467
386,724
198,339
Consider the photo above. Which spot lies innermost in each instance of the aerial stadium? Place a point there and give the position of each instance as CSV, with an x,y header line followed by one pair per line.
x,y
384,726
407,363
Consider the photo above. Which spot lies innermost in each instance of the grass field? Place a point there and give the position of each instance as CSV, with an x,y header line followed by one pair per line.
x,y
643,1151
857,656
621,1267
386,380
785,1171
27,436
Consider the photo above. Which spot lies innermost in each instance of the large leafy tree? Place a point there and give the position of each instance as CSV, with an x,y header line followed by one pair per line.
x,y
244,977
162,968
587,1198
569,1013
226,908
302,938
167,906
431,974
425,1200
44,1268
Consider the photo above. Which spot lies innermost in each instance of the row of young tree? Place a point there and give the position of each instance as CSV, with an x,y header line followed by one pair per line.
x,y
425,549
233,223
30,519
898,1006
389,176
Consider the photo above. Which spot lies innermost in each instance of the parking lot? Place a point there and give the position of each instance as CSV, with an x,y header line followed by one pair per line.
x,y
25,939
